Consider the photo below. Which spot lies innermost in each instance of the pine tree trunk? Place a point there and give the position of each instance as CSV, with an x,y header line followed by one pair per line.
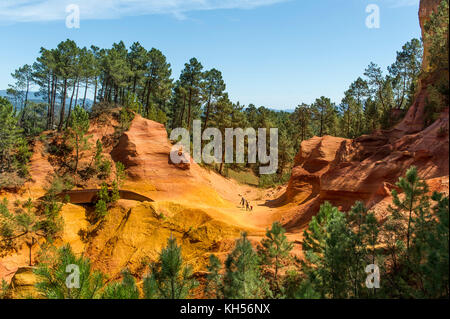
x,y
85,92
183,109
76,97
70,105
54,89
95,91
134,85
116,93
63,106
49,100
207,113
189,110
25,103
321,124
104,90
147,106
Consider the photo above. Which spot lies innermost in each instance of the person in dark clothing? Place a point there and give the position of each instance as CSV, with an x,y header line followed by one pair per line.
x,y
242,201
247,206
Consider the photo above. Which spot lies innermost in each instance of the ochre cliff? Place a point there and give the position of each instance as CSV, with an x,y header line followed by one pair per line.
x,y
342,171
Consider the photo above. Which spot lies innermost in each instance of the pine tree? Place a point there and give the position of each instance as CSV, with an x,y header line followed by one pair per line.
x,y
414,203
274,254
435,269
33,119
190,78
370,234
327,245
243,279
51,204
351,109
25,226
360,92
324,116
101,165
405,72
10,137
169,277
103,199
53,276
364,232
45,76
302,119
212,89
79,125
137,58
126,289
297,286
436,37
157,82
285,152
221,118
214,280
118,181
23,77
414,229
65,56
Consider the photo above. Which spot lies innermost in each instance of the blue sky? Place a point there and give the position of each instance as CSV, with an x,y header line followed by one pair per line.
x,y
276,53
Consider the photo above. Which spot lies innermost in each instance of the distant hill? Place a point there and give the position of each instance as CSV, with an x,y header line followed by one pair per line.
x,y
285,110
38,99
31,96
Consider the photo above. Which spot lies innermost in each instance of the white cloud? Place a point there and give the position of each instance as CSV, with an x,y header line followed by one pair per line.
x,y
50,10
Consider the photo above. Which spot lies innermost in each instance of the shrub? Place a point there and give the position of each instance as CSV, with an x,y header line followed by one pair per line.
x,y
53,277
101,208
102,165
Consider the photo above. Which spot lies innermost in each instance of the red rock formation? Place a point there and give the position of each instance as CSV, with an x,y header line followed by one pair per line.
x,y
144,150
413,121
342,171
427,7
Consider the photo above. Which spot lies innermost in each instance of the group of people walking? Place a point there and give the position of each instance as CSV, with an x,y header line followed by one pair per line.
x,y
245,204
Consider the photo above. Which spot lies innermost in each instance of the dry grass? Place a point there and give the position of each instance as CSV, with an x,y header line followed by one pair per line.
x,y
244,177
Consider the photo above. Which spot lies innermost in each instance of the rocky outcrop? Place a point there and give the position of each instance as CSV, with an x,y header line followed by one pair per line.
x,y
144,150
133,233
413,121
342,171
23,285
316,157
426,8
